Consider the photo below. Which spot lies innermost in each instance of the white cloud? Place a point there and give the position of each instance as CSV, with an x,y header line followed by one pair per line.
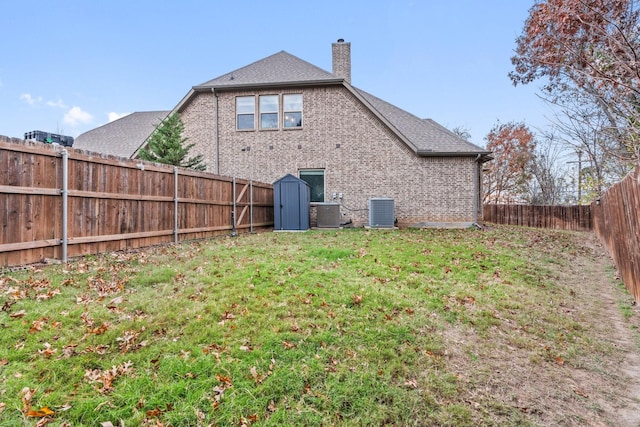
x,y
57,104
115,116
26,97
77,116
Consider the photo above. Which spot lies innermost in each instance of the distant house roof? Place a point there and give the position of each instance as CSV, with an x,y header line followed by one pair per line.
x,y
121,137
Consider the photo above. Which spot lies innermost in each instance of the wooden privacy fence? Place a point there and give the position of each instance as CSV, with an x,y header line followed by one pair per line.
x,y
616,219
575,217
58,203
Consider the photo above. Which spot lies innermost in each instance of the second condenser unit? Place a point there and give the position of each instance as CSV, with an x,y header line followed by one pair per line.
x,y
328,215
381,212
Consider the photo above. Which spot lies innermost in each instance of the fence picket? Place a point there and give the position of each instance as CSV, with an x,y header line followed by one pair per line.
x,y
113,203
576,217
617,225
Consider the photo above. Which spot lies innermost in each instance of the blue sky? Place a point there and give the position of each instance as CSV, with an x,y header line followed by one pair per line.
x,y
69,66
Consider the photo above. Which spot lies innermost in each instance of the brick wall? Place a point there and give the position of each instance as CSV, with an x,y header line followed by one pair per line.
x,y
362,158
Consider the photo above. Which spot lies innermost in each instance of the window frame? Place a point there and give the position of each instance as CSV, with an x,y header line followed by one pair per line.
x,y
276,112
314,172
292,111
245,114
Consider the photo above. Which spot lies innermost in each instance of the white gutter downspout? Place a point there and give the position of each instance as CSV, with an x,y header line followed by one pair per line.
x,y
476,199
217,132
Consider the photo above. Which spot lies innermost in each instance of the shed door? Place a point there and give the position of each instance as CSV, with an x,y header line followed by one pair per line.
x,y
290,206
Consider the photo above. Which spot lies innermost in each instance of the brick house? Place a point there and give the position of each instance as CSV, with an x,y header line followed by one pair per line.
x,y
282,115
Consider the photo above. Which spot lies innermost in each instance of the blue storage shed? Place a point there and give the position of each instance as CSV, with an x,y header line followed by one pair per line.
x,y
291,203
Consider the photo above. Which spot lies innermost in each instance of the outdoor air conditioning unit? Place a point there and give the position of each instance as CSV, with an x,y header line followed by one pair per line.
x,y
381,212
328,215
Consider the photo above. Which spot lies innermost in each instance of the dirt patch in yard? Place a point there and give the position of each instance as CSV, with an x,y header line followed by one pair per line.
x,y
519,379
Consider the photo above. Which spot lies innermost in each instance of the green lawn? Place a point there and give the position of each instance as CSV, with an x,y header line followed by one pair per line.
x,y
344,328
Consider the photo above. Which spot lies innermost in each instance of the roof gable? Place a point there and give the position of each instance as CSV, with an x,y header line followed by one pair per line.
x,y
424,137
277,69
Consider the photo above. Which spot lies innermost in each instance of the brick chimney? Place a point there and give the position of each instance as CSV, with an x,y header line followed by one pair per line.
x,y
341,55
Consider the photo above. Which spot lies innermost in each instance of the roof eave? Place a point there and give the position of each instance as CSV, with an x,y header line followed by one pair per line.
x,y
244,86
483,156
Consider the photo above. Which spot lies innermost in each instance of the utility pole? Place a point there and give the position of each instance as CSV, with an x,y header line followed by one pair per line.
x,y
579,162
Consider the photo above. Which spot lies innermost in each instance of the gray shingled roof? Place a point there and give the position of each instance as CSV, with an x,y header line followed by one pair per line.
x,y
280,68
121,137
424,136
427,136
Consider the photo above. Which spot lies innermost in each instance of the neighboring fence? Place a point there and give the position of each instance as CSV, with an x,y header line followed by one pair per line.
x,y
616,219
58,203
575,217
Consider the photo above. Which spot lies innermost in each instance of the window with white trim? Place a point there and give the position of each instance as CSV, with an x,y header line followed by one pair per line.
x,y
269,111
315,179
292,110
245,112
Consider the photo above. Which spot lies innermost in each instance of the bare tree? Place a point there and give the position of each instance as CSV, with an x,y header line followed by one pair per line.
x,y
546,186
583,127
591,47
462,132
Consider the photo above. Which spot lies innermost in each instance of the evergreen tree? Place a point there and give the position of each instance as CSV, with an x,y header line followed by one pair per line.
x,y
167,146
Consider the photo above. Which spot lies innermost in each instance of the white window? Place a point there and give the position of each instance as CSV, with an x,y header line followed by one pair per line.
x,y
245,112
292,110
315,179
269,112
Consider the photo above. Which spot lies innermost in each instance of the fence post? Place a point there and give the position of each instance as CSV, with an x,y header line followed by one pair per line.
x,y
250,206
65,203
175,204
234,232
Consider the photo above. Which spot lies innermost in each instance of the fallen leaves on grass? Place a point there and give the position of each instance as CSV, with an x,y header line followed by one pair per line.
x,y
40,413
108,376
48,350
156,412
45,414
247,421
129,341
580,393
26,395
411,383
218,391
18,314
258,377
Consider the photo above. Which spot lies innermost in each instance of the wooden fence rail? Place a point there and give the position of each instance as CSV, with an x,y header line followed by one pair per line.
x,y
57,202
616,219
575,217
